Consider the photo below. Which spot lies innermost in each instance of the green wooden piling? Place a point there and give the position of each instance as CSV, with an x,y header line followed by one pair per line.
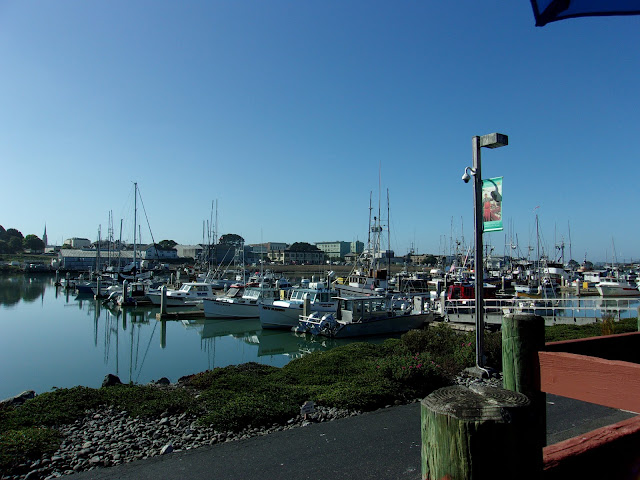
x,y
476,433
522,339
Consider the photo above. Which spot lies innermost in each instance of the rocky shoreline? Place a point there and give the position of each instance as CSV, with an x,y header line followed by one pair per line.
x,y
107,437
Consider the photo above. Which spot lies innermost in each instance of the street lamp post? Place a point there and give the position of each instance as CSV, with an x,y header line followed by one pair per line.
x,y
492,140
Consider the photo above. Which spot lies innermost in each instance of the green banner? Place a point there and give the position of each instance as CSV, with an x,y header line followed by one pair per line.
x,y
492,204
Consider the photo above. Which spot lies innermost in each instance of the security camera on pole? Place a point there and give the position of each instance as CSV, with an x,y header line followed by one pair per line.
x,y
492,140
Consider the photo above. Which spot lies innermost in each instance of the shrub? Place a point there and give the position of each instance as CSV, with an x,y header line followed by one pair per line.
x,y
25,445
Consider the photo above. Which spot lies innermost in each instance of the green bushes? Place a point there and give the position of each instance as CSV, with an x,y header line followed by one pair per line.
x,y
569,332
26,444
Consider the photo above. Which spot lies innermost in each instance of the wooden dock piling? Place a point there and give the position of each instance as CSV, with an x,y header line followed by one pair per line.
x,y
478,432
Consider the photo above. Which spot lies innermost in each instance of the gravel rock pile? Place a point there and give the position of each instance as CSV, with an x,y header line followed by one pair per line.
x,y
107,437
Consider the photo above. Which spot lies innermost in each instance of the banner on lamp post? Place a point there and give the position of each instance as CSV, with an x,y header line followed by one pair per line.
x,y
492,204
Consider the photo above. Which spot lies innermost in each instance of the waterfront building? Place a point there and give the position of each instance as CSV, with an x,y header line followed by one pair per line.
x,y
83,260
339,249
76,242
189,251
153,252
287,256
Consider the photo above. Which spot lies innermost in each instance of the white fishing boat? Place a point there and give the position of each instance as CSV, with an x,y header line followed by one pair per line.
x,y
616,284
369,276
614,287
285,313
189,294
363,316
245,306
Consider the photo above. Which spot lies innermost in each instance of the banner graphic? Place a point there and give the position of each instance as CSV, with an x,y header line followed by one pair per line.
x,y
492,204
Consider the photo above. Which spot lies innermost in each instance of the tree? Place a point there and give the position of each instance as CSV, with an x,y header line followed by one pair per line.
x,y
303,247
15,244
231,239
12,232
167,244
573,265
430,260
33,243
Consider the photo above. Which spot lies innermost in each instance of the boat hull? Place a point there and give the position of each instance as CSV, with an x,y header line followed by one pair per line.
x,y
617,290
285,315
220,308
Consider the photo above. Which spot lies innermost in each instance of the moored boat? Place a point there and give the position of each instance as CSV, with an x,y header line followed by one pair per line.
x,y
613,287
189,294
364,316
245,306
285,313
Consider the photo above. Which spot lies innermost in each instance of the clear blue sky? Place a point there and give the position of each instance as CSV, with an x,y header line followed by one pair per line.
x,y
290,113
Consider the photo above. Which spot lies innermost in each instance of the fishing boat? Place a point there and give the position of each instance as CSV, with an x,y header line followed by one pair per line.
x,y
285,313
616,284
364,316
369,276
189,294
616,287
244,306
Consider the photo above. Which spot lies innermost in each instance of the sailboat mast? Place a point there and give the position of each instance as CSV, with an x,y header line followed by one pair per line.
x,y
369,245
388,236
538,246
135,223
120,246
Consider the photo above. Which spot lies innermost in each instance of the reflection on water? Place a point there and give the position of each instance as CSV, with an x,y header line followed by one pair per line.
x,y
52,338
24,288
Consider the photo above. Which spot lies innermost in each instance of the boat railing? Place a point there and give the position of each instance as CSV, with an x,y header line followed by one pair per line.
x,y
559,309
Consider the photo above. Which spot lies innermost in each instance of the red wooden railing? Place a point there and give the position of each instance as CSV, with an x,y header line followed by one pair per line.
x,y
606,371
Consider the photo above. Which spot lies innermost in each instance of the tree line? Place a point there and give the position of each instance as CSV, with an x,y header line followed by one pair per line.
x,y
12,241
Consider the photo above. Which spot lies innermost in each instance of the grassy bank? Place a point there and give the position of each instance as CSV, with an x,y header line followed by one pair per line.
x,y
358,376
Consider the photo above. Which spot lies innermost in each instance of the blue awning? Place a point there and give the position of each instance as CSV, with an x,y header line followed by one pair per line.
x,y
547,11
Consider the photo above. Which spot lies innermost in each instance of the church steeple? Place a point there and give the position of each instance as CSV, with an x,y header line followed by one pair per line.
x,y
44,236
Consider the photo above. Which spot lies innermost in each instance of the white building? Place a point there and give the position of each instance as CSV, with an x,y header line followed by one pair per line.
x,y
76,242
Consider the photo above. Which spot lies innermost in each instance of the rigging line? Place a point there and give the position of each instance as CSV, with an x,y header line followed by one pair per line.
x,y
146,217
146,351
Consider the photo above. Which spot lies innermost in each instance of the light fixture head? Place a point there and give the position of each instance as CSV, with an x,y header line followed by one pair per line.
x,y
466,176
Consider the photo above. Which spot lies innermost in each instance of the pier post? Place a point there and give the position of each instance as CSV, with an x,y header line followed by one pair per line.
x,y
306,305
125,284
477,432
163,299
522,339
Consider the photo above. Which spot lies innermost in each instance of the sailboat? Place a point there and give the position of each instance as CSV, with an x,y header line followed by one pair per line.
x,y
132,272
538,283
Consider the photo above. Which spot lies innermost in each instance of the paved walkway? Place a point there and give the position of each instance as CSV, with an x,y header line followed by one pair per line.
x,y
379,445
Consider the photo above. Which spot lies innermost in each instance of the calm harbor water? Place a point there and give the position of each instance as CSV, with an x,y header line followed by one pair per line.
x,y
49,338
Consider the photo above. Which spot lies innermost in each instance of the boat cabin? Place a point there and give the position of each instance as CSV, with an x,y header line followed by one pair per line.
x,y
467,291
317,292
357,309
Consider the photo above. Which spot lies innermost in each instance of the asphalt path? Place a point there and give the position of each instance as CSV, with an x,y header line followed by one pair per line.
x,y
380,445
